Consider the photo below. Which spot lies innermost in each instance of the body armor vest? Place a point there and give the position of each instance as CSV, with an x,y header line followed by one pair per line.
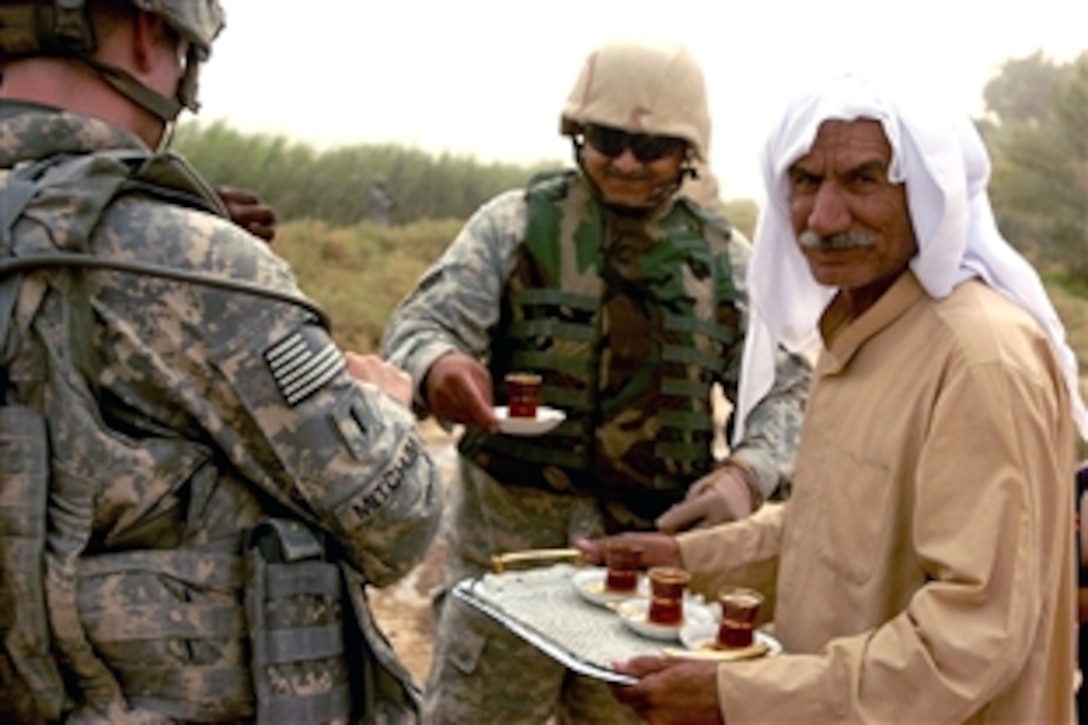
x,y
78,627
629,321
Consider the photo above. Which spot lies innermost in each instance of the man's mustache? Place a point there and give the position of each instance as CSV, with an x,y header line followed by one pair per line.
x,y
640,175
842,240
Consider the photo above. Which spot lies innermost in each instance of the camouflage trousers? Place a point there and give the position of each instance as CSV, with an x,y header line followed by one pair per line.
x,y
481,672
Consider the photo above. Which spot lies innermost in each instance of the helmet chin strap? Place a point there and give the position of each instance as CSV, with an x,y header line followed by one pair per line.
x,y
167,136
669,189
126,84
163,107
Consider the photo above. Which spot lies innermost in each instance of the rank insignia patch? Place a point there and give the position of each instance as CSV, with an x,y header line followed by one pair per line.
x,y
302,362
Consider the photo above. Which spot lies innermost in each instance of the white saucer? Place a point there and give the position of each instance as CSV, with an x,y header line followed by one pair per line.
x,y
701,637
633,613
589,583
546,419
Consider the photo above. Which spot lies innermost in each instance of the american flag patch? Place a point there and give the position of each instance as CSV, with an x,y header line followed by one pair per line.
x,y
302,362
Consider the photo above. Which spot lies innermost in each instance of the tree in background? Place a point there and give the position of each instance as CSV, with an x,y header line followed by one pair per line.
x,y
1023,91
1038,137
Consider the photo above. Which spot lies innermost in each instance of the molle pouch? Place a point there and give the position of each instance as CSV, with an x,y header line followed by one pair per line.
x,y
294,606
29,681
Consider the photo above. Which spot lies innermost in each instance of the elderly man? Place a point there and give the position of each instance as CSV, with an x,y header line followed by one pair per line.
x,y
922,570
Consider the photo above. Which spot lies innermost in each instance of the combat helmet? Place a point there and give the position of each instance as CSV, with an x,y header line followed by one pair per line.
x,y
640,87
63,28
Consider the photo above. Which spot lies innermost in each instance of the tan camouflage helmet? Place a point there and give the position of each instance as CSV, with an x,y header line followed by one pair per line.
x,y
62,27
641,87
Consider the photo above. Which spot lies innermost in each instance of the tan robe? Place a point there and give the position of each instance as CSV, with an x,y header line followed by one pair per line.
x,y
923,570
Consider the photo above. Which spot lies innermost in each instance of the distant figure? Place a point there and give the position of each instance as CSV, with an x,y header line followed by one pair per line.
x,y
381,202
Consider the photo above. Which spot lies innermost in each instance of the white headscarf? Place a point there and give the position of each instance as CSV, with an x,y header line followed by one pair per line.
x,y
946,168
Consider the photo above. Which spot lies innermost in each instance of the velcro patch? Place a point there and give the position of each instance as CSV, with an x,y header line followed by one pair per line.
x,y
303,362
389,481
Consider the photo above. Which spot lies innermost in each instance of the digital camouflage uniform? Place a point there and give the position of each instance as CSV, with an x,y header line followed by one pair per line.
x,y
629,322
220,489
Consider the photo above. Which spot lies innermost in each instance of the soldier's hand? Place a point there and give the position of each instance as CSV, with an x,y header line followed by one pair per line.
x,y
721,495
248,211
387,377
671,690
458,389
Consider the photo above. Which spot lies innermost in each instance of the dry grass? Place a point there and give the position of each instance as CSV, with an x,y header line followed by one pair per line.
x,y
359,273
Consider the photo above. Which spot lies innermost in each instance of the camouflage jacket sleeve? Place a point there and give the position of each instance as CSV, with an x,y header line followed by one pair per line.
x,y
773,427
265,385
457,301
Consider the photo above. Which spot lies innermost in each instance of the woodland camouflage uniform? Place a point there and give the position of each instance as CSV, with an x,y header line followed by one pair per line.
x,y
220,489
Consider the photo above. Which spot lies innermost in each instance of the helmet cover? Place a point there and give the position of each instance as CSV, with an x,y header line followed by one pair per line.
x,y
641,87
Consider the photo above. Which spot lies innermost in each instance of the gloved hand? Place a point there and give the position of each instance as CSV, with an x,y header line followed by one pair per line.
x,y
387,377
248,211
725,494
458,389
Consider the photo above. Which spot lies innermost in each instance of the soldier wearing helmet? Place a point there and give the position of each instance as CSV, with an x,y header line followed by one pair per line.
x,y
196,483
628,300
380,201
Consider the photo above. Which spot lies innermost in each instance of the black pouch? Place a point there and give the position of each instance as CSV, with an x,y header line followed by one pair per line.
x,y
294,606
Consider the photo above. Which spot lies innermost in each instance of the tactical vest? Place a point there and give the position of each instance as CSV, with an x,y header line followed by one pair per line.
x,y
105,629
629,323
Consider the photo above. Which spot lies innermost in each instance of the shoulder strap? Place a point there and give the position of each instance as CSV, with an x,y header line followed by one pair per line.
x,y
13,199
11,267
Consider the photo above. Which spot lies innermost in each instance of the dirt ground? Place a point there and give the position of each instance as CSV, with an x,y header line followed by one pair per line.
x,y
404,609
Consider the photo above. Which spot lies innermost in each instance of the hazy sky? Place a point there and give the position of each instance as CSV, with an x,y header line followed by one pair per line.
x,y
487,78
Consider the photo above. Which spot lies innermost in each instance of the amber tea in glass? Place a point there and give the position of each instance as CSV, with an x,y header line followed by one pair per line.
x,y
667,586
522,391
740,607
623,561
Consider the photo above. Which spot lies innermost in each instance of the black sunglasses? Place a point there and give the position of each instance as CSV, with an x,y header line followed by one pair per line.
x,y
612,141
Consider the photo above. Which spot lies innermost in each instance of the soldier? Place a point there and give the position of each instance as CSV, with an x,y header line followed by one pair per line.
x,y
195,483
380,201
629,301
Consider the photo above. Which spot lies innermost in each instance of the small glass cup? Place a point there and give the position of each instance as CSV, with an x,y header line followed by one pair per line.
x,y
623,561
522,392
667,586
740,608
